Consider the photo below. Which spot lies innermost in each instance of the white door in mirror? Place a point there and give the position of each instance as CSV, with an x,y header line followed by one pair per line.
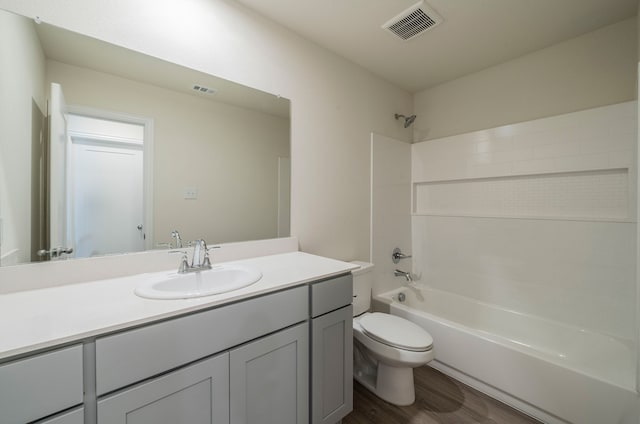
x,y
219,279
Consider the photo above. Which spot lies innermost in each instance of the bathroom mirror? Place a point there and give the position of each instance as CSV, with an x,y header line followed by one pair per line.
x,y
105,150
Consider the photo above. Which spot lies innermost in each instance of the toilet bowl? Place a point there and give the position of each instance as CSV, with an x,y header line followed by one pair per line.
x,y
386,347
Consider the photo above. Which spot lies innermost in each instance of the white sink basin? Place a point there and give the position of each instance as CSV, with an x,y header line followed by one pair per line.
x,y
219,279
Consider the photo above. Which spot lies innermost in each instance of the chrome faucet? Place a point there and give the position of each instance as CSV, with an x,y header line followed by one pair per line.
x,y
199,261
176,235
55,252
201,258
407,275
195,260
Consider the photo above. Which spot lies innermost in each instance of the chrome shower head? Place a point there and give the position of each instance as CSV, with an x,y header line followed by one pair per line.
x,y
408,120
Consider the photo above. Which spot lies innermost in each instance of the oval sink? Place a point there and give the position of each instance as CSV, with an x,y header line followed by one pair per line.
x,y
220,279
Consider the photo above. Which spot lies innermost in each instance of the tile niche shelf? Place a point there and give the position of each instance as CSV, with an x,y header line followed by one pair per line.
x,y
593,195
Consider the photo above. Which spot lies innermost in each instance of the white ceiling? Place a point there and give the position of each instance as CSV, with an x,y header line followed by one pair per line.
x,y
474,35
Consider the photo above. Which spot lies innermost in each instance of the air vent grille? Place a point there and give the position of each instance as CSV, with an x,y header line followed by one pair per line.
x,y
413,21
203,90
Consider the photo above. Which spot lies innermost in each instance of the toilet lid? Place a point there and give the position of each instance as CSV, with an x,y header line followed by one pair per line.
x,y
396,331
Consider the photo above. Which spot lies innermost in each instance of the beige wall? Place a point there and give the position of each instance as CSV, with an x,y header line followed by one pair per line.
x,y
595,69
21,79
229,154
335,104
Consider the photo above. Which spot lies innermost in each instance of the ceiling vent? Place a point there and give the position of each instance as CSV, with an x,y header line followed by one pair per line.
x,y
203,90
413,21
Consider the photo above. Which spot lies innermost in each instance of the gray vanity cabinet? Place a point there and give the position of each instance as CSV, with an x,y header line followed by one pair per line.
x,y
195,394
148,375
269,379
262,382
131,356
261,360
331,350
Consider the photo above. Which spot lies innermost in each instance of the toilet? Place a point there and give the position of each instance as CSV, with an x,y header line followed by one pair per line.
x,y
386,348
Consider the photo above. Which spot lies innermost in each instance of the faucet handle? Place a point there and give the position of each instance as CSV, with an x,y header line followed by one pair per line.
x,y
397,254
206,263
176,235
184,261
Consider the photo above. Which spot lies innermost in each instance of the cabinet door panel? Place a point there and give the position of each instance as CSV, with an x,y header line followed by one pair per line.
x,y
332,373
269,379
197,394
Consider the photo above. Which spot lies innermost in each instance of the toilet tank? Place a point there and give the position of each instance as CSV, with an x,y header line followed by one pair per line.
x,y
362,284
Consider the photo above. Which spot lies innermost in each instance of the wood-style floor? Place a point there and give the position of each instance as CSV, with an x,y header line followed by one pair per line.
x,y
439,400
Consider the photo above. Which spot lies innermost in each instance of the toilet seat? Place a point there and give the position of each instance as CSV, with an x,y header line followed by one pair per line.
x,y
396,332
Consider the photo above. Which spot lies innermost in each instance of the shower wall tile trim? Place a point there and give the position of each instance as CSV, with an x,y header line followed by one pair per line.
x,y
586,195
585,159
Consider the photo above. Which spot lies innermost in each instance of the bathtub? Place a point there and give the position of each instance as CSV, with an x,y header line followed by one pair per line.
x,y
554,372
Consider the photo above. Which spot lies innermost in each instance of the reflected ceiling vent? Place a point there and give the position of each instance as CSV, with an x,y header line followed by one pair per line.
x,y
413,21
203,90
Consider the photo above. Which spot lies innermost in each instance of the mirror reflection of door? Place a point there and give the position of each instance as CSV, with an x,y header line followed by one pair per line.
x,y
105,186
57,186
39,172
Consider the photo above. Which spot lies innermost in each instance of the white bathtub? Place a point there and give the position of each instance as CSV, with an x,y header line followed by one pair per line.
x,y
554,372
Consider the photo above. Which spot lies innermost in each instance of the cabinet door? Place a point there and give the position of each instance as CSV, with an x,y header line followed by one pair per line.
x,y
332,366
269,379
196,394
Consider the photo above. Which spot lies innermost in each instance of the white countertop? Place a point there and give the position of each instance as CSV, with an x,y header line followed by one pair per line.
x,y
36,319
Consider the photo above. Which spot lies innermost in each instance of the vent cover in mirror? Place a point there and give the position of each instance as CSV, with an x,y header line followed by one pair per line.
x,y
204,90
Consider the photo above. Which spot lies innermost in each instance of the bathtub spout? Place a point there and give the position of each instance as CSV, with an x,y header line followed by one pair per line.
x,y
404,274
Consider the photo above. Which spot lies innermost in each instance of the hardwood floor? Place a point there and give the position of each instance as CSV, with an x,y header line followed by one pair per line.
x,y
439,400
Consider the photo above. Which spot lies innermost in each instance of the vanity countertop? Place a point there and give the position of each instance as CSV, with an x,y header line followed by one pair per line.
x,y
37,319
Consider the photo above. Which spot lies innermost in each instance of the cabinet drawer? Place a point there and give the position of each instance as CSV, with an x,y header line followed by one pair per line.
x,y
41,385
329,295
131,356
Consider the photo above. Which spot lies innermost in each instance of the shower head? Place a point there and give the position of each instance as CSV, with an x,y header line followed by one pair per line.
x,y
408,120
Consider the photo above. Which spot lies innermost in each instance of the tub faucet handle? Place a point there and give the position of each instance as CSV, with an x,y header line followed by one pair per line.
x,y
397,255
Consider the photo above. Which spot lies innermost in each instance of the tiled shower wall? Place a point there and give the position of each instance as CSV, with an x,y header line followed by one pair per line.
x,y
537,216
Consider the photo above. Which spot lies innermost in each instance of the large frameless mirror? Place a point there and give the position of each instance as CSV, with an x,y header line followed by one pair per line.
x,y
104,150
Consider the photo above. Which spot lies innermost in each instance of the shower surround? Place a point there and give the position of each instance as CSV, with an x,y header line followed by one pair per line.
x,y
537,219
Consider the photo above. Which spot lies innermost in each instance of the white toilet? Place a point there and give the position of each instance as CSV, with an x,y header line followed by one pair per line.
x,y
386,348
